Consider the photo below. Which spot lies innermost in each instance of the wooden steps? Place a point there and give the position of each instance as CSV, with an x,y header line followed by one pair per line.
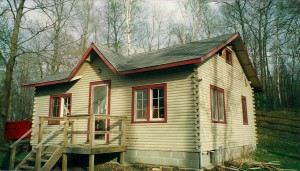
x,y
50,155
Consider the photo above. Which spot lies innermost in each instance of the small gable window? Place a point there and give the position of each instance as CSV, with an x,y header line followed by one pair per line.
x,y
217,105
228,56
149,103
60,105
244,108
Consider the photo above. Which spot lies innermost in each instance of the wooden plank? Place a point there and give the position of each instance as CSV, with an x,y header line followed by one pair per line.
x,y
66,127
123,140
52,118
39,149
95,150
73,132
69,132
108,150
79,116
12,157
108,132
77,150
53,159
92,131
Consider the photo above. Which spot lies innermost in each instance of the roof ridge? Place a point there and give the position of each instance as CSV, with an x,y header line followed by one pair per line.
x,y
178,45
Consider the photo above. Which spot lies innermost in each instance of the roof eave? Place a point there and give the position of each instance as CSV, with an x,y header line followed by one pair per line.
x,y
45,83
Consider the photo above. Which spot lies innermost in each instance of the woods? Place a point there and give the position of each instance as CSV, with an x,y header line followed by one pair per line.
x,y
39,38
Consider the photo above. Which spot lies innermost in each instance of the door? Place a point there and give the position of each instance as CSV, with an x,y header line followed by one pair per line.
x,y
99,105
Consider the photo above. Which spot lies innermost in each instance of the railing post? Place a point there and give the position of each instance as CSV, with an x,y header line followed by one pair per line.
x,y
64,155
92,130
123,139
12,157
39,150
73,131
92,138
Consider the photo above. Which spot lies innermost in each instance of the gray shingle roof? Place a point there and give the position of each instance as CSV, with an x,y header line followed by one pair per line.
x,y
178,53
169,55
54,77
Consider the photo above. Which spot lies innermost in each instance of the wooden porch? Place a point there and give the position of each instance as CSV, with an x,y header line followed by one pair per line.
x,y
44,157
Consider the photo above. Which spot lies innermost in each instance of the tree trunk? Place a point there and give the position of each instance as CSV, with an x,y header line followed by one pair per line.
x,y
11,62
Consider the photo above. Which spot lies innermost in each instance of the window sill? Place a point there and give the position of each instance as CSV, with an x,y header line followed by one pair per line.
x,y
163,121
223,122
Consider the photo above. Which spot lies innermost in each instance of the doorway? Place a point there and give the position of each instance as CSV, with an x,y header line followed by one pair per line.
x,y
100,105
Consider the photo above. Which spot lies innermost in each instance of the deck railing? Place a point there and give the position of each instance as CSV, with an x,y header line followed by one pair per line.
x,y
65,121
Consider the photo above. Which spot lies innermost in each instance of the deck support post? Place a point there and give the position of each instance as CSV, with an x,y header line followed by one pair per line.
x,y
92,138
91,162
123,139
39,150
64,162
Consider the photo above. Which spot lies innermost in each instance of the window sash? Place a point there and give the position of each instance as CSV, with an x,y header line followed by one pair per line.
x,y
244,110
149,103
217,105
59,106
141,106
157,104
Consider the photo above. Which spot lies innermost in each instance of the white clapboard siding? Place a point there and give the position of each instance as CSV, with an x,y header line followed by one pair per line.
x,y
177,134
215,71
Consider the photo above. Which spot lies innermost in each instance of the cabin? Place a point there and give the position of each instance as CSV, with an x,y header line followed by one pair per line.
x,y
189,105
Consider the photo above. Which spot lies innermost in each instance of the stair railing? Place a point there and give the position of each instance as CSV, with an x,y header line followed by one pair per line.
x,y
39,147
13,147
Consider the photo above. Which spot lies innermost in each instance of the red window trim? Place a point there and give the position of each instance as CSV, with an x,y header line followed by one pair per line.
x,y
50,105
244,109
227,50
108,83
220,90
149,87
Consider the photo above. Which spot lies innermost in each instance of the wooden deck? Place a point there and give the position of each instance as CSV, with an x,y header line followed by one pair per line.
x,y
69,145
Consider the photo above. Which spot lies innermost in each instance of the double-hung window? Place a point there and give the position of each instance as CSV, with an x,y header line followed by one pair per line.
x,y
149,103
60,105
217,105
244,110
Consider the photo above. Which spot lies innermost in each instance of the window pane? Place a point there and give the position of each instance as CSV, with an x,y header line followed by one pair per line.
x,y
145,94
161,113
161,92
139,94
55,107
221,105
155,93
214,105
161,102
99,100
66,105
155,112
141,104
155,103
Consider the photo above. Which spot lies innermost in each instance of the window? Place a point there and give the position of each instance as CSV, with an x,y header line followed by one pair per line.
x,y
228,56
149,103
217,105
244,108
60,105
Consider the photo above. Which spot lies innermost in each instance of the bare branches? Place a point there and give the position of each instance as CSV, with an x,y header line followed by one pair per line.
x,y
11,8
3,59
